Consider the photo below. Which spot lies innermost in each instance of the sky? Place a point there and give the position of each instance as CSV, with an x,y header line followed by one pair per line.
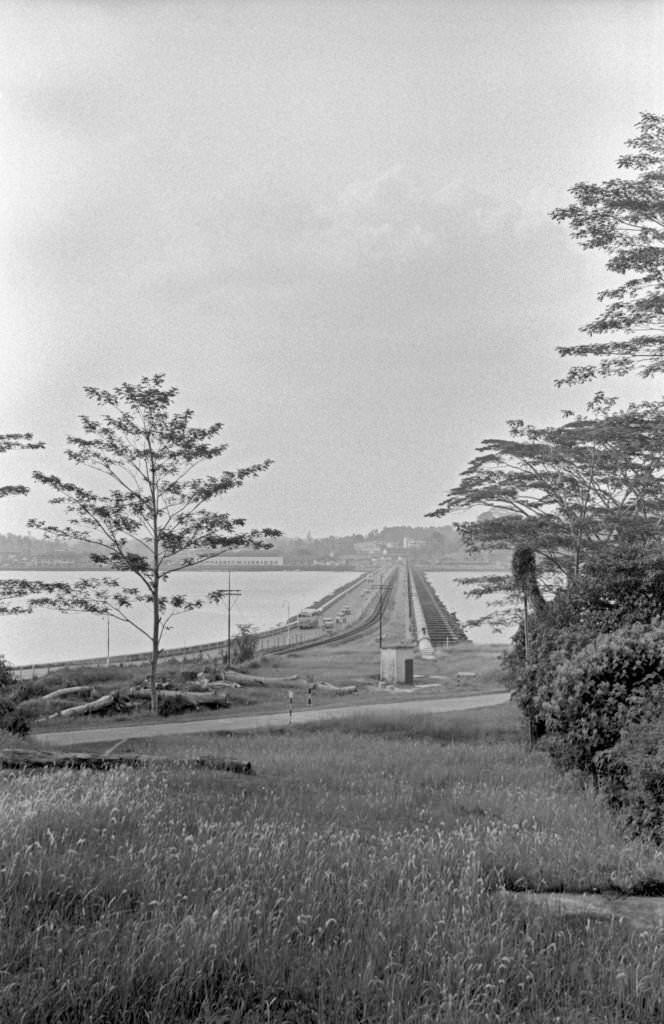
x,y
327,223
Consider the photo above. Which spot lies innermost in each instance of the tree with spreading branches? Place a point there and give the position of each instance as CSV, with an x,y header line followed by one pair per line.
x,y
566,493
157,516
624,217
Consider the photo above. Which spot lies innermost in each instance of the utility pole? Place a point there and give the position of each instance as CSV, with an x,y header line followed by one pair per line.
x,y
381,588
227,594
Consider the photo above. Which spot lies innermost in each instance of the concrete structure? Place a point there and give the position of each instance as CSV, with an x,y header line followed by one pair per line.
x,y
396,664
424,644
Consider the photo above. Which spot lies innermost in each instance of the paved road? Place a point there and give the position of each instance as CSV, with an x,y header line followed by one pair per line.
x,y
247,723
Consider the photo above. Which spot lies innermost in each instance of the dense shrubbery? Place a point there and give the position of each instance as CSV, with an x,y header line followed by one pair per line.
x,y
632,776
7,677
13,718
594,678
174,704
625,587
614,681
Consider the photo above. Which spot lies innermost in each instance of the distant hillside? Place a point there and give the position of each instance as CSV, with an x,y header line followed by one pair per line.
x,y
421,545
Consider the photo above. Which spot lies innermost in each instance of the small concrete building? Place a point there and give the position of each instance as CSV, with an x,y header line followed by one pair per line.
x,y
396,664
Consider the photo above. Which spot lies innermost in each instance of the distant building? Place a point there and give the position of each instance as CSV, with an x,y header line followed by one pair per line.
x,y
245,562
367,547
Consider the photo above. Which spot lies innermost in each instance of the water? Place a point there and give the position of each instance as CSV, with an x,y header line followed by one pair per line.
x,y
267,598
451,594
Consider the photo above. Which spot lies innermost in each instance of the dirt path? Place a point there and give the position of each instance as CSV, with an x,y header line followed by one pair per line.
x,y
247,723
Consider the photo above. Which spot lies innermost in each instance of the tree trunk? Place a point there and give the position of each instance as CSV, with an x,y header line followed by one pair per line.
x,y
156,622
85,709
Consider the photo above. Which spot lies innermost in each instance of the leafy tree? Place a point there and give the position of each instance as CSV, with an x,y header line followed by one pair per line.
x,y
592,484
156,518
624,216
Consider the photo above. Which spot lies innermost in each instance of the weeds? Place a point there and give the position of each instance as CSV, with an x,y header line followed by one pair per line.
x,y
356,878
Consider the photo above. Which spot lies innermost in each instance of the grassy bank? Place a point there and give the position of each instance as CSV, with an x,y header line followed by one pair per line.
x,y
356,878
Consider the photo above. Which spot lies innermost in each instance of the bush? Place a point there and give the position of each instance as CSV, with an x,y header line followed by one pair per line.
x,y
7,677
632,776
622,587
14,719
245,644
174,705
615,681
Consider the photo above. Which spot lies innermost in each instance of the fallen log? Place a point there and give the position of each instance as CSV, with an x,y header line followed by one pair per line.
x,y
68,691
246,679
331,688
191,697
106,701
28,759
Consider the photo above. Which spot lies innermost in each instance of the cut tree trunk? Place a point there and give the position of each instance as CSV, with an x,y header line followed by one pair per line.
x,y
243,678
36,759
68,691
86,709
192,697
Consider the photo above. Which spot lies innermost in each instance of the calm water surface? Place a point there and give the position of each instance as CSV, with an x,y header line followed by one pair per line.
x,y
266,599
451,594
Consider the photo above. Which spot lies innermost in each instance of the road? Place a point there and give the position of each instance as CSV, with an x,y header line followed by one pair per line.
x,y
248,723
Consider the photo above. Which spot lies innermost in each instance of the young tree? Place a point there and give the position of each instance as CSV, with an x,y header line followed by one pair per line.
x,y
625,217
156,518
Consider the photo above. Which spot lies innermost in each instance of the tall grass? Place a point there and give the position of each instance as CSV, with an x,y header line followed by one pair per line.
x,y
356,878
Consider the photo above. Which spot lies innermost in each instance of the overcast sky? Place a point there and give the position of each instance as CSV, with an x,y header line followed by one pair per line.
x,y
326,222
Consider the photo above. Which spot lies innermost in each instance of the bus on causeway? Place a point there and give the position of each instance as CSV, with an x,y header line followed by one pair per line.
x,y
308,619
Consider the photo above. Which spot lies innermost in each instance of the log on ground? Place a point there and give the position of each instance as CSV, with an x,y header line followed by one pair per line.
x,y
29,759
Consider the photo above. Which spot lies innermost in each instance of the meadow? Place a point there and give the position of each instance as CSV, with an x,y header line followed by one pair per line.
x,y
359,876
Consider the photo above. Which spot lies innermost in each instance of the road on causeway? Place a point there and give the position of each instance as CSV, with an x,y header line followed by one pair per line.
x,y
248,723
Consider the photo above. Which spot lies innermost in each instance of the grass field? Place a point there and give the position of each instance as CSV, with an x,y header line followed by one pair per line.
x,y
357,877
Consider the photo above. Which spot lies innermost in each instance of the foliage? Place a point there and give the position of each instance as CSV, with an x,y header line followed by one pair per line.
x,y
615,680
569,494
624,217
12,443
624,587
632,777
7,677
156,519
12,591
174,704
245,643
13,718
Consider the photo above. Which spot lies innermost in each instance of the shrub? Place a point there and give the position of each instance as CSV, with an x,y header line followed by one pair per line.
x,y
245,643
619,588
632,776
7,677
14,719
174,705
616,680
